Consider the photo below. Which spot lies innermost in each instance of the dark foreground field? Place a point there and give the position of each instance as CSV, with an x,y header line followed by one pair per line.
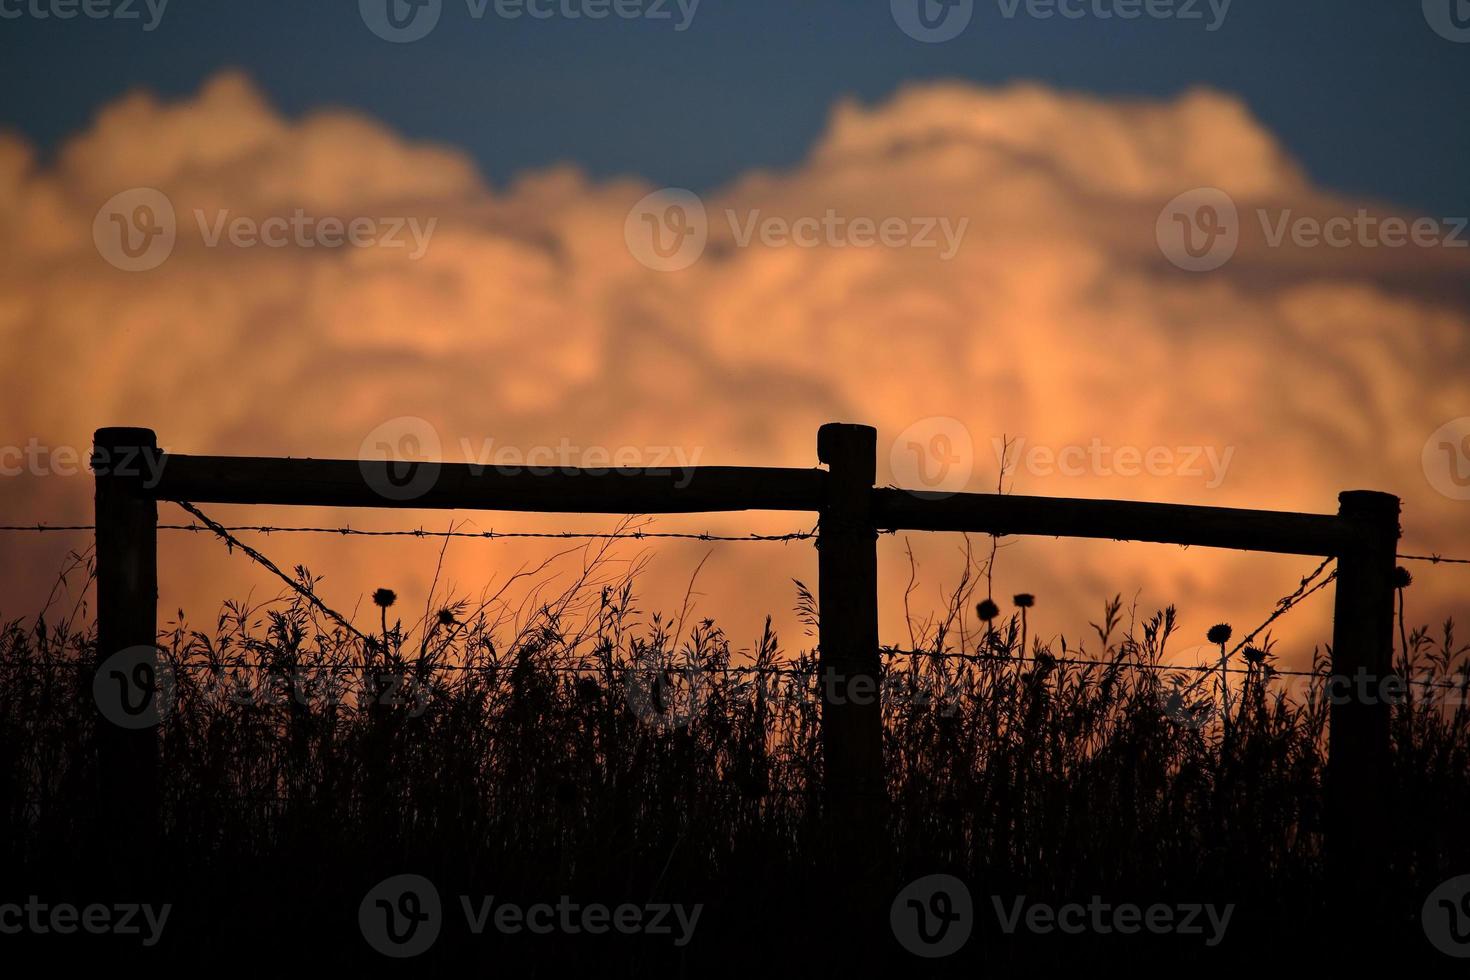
x,y
655,785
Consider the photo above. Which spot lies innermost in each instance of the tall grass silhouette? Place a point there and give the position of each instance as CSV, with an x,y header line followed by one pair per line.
x,y
572,744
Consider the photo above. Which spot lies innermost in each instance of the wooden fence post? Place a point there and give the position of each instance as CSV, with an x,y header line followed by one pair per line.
x,y
1361,689
852,719
124,460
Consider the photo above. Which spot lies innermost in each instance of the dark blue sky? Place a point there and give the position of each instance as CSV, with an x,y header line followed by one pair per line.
x,y
1364,93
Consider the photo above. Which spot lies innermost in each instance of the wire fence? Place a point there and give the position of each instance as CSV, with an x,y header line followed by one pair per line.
x,y
491,535
1310,584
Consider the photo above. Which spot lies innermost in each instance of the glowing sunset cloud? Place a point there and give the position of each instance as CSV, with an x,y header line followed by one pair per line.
x,y
954,266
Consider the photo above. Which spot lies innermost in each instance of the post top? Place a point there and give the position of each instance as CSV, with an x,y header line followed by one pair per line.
x,y
1368,503
846,439
125,436
1370,509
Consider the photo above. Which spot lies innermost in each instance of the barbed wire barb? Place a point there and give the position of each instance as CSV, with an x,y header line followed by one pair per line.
x,y
270,566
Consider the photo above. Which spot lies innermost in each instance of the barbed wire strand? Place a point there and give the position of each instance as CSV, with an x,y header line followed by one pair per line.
x,y
421,532
226,532
784,667
1049,660
425,533
1434,559
270,566
1283,606
787,668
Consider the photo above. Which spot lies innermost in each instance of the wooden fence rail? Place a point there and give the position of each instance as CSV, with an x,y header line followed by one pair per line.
x,y
132,475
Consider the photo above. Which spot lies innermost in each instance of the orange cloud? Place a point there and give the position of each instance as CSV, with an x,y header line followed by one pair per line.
x,y
1285,375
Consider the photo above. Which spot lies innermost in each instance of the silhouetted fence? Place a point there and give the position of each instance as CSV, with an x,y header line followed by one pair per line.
x,y
132,475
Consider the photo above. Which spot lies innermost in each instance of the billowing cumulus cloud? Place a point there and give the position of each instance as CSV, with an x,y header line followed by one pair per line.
x,y
955,265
